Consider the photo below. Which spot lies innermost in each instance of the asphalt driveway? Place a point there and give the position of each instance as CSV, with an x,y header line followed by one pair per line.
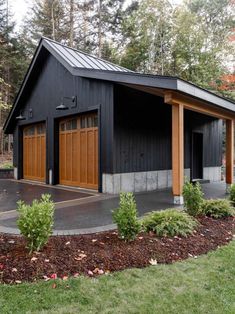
x,y
94,214
12,191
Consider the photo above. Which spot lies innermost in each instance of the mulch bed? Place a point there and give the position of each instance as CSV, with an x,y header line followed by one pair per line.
x,y
104,252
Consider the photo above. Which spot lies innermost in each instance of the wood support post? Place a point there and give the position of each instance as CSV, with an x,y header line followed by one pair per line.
x,y
177,152
229,151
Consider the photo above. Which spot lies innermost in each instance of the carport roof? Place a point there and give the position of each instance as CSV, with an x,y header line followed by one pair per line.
x,y
85,65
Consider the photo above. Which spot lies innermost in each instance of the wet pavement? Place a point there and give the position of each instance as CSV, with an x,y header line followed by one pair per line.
x,y
95,214
12,191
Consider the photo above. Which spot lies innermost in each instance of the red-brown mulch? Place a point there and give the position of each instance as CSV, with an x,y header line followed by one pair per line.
x,y
104,252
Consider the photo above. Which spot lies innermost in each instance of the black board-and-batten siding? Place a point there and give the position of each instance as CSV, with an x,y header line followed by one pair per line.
x,y
134,127
142,133
45,92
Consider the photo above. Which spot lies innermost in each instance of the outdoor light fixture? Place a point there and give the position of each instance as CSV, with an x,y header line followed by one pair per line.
x,y
20,117
63,106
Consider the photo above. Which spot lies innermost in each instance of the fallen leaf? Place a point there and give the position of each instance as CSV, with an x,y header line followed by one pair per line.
x,y
102,243
53,286
54,276
80,257
14,270
67,243
107,272
140,238
65,277
1,266
100,272
76,275
153,261
17,281
33,259
90,273
77,258
11,241
47,260
93,240
46,278
96,270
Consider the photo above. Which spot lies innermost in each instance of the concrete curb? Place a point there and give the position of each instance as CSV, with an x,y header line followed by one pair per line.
x,y
15,231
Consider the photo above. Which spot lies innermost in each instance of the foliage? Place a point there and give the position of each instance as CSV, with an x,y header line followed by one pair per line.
x,y
36,221
6,165
126,217
217,208
169,222
189,40
193,198
232,194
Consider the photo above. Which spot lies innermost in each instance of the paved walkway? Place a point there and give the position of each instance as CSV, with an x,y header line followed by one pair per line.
x,y
93,213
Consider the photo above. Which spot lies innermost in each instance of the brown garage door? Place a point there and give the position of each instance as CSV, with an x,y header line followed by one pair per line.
x,y
34,152
79,151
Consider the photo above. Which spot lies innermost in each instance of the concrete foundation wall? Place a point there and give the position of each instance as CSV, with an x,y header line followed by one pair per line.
x,y
149,180
212,173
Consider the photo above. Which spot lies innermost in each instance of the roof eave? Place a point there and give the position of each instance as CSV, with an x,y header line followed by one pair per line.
x,y
162,82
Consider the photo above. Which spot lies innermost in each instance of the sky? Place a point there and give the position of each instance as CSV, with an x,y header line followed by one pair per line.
x,y
19,8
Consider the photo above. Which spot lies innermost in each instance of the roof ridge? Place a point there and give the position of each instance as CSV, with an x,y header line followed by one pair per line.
x,y
86,53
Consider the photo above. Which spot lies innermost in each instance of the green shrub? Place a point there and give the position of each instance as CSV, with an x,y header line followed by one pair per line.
x,y
36,221
217,208
193,198
6,165
232,194
126,217
169,222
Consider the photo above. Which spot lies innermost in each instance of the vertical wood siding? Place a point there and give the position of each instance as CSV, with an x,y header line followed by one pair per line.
x,y
142,133
50,83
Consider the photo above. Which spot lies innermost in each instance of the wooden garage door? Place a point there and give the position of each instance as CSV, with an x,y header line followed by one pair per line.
x,y
34,152
79,151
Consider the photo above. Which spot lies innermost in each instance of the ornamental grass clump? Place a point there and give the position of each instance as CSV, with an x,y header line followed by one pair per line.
x,y
125,216
193,198
36,221
217,208
169,222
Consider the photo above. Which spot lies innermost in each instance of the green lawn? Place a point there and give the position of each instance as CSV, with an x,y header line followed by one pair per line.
x,y
203,285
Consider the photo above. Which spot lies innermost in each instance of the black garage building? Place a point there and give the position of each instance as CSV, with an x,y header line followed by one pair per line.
x,y
82,121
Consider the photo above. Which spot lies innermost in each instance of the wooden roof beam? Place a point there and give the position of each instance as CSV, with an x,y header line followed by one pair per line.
x,y
174,98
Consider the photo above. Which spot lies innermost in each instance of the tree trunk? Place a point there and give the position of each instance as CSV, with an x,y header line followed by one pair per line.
x,y
100,28
53,20
71,26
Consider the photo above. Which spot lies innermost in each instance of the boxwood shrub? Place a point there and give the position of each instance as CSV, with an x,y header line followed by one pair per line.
x,y
126,217
36,221
169,222
217,208
193,198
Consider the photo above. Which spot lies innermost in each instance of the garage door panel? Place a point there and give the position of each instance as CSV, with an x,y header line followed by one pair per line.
x,y
75,158
34,153
83,157
79,156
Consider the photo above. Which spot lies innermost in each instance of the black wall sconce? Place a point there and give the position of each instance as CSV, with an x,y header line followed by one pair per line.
x,y
63,105
30,113
20,117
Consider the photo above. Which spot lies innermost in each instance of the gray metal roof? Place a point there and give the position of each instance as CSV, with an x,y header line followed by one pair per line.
x,y
79,59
